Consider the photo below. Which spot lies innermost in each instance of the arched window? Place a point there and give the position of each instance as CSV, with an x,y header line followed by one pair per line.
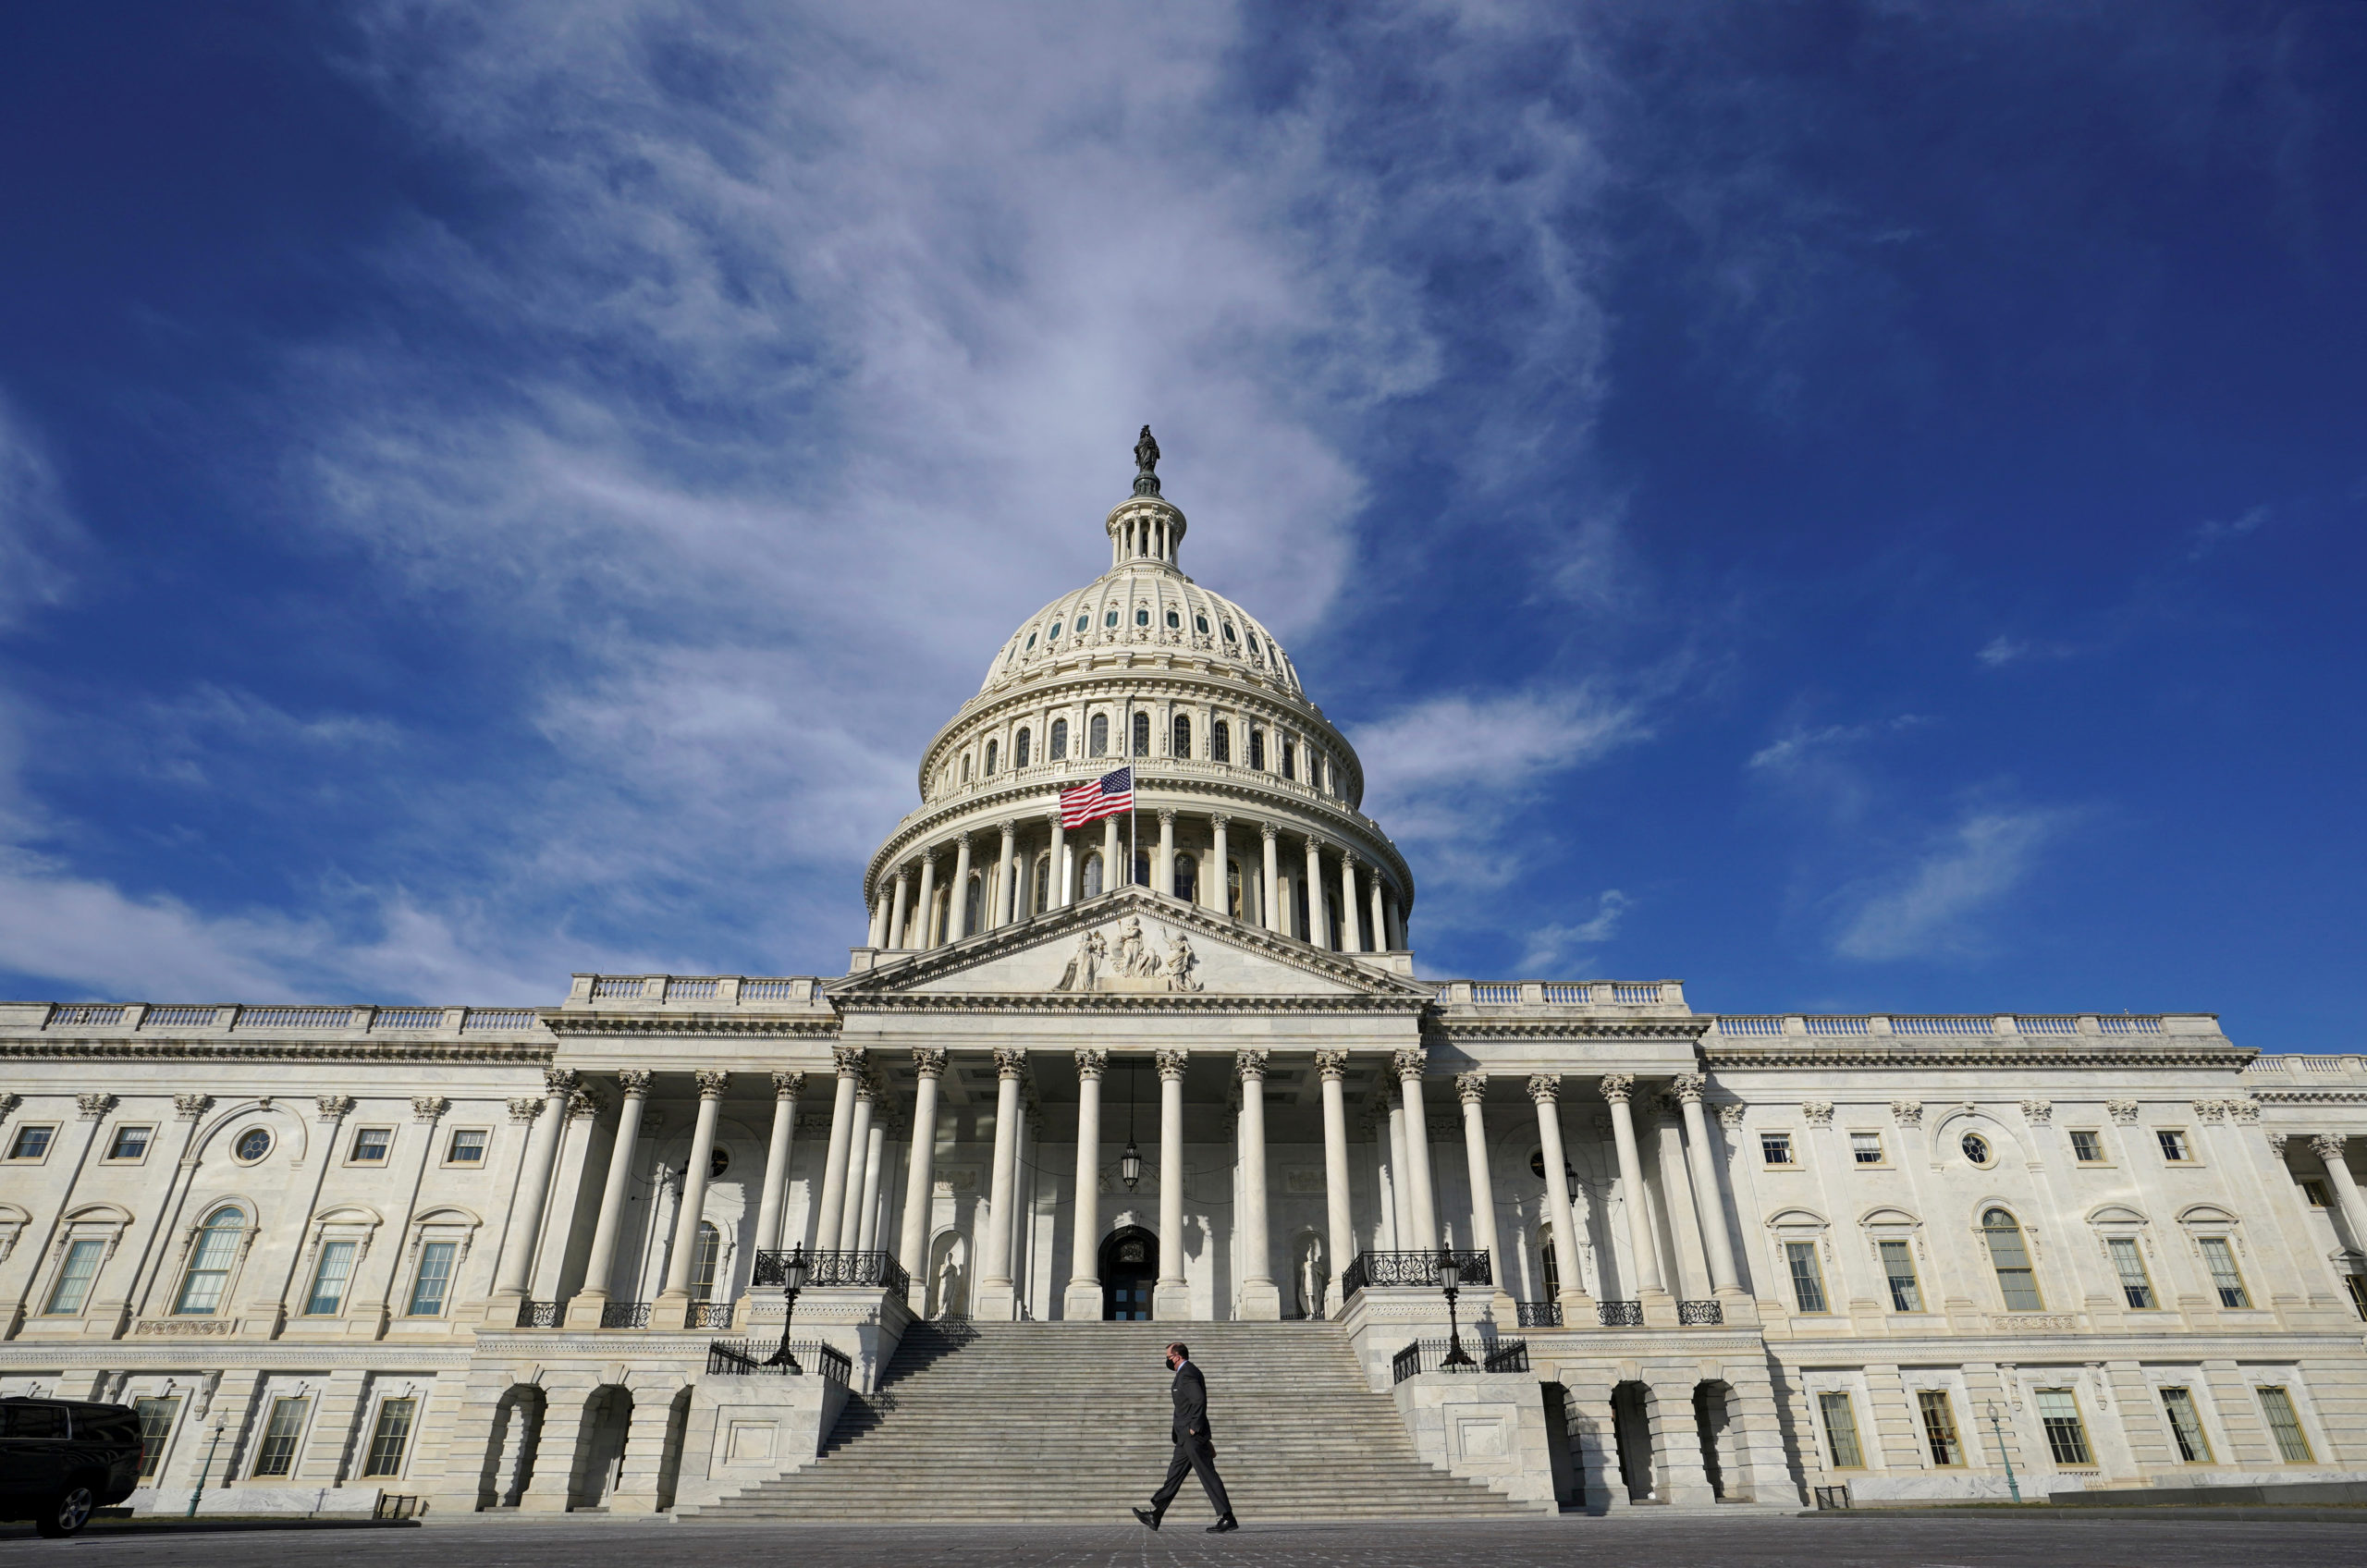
x,y
965,767
1111,618
1220,742
1060,739
1019,749
1142,734
2011,1258
1179,744
1174,621
1552,1268
1142,615
1092,877
972,904
703,1262
1187,877
1043,883
1096,736
210,1260
1234,897
1290,760
1257,749
994,747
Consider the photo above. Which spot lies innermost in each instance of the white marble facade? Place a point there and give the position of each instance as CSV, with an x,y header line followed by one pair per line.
x,y
376,1247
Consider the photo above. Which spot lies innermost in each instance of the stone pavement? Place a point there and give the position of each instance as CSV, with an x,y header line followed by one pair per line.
x,y
1863,1540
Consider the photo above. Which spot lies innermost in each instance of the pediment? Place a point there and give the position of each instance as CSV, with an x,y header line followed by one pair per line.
x,y
1131,943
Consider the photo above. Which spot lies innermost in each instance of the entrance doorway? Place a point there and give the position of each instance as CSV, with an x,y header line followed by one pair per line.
x,y
1129,1270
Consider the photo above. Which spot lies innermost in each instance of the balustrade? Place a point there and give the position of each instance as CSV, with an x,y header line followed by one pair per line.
x,y
847,1269
1393,1270
1620,1314
746,1358
1430,1356
541,1314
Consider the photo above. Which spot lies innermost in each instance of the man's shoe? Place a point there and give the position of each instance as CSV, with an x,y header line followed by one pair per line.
x,y
1150,1520
1220,1526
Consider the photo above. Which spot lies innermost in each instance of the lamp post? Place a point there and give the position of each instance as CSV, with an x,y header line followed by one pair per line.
x,y
792,1279
2012,1486
1451,1276
207,1469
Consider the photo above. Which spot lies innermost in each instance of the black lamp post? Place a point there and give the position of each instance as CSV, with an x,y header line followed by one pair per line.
x,y
1451,1276
1130,1164
792,1279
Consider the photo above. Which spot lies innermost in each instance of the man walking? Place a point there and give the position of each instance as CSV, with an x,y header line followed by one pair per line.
x,y
1194,1447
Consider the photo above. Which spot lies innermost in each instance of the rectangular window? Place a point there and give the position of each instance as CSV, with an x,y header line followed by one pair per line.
x,y
31,1143
73,1287
434,1279
1807,1276
209,1270
2220,1254
2066,1436
1866,1148
2186,1426
2357,1285
1840,1431
2314,1192
703,1262
277,1455
1898,1268
1940,1427
390,1436
328,1280
371,1143
2135,1287
130,1143
2087,1146
2285,1426
467,1147
2173,1145
1775,1148
155,1426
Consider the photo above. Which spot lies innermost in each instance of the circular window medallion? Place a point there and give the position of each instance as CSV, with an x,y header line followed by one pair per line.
x,y
1976,1149
253,1144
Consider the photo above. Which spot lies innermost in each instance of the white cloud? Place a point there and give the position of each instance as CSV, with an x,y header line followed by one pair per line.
x,y
36,528
1549,946
1935,906
1444,771
2209,535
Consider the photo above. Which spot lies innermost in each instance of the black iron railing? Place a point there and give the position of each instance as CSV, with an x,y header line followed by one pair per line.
x,y
1620,1314
1430,1355
860,1271
1699,1314
1540,1314
624,1315
747,1358
541,1314
710,1315
1383,1269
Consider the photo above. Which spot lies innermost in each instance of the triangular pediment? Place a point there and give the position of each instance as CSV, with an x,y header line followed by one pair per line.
x,y
1132,942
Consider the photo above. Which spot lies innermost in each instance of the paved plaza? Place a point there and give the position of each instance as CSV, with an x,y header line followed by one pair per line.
x,y
1860,1541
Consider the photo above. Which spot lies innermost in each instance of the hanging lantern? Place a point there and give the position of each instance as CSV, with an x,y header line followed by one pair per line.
x,y
1130,1165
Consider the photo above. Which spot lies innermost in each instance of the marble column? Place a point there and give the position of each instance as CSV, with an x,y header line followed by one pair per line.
x,y
583,1312
674,1300
1115,873
1400,1190
1261,1302
1163,872
1318,916
1379,930
1059,870
1006,878
1687,1241
1578,1307
787,1086
1270,892
1332,1067
1644,1267
832,1205
1171,1299
874,1166
925,917
1082,1299
526,1205
1217,882
1709,1189
957,898
2343,1185
1408,1065
1397,921
1471,1088
997,1297
845,1227
881,901
1351,939
896,937
920,1174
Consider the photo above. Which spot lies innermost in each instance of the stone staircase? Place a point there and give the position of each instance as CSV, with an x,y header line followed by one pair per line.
x,y
1060,1423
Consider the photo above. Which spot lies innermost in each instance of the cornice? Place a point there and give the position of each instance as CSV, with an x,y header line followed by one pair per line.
x,y
1450,1029
2308,1096
701,1024
1868,1054
1053,1003
527,1051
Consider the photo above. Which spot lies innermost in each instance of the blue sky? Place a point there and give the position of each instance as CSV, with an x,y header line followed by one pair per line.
x,y
1855,506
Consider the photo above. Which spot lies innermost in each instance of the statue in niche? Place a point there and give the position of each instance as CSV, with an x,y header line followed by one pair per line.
x,y
1181,962
1312,1278
1086,966
951,1301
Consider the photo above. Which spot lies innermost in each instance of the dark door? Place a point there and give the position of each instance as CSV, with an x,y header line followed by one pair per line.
x,y
1129,1272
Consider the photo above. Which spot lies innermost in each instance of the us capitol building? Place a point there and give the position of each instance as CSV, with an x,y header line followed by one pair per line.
x,y
1184,1078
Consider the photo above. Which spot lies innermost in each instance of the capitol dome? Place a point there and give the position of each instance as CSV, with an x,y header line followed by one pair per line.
x,y
1251,793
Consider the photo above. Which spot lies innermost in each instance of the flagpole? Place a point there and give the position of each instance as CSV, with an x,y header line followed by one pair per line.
x,y
1134,798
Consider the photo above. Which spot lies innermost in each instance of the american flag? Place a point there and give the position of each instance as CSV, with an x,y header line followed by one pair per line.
x,y
1106,796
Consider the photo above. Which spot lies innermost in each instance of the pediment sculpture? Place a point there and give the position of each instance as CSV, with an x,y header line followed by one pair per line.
x,y
1130,961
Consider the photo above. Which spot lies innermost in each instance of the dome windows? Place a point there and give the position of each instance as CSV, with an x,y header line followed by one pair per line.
x,y
1030,639
1019,748
1060,739
1257,749
1220,742
1142,734
1082,622
1096,734
993,748
1174,621
1202,622
1179,740
1052,632
1142,615
1111,620
1228,631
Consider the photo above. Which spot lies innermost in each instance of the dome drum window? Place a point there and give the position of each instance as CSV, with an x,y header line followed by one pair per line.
x,y
1220,742
1031,637
1097,742
1180,741
1111,620
1228,631
1060,739
1174,620
1142,615
994,749
1082,622
1142,734
1201,622
1019,749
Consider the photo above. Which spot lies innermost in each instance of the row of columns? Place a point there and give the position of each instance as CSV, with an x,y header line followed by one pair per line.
x,y
844,1211
1370,915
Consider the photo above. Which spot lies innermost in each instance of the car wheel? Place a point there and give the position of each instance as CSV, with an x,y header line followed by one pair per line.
x,y
67,1512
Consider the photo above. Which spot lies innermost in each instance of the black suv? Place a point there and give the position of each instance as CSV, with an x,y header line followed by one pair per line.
x,y
62,1459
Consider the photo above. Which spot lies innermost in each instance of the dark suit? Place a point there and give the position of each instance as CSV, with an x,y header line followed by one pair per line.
x,y
1194,1445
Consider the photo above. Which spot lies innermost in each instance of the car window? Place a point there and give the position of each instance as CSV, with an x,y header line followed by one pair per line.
x,y
35,1421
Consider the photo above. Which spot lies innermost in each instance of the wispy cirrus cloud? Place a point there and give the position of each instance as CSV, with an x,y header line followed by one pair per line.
x,y
1935,905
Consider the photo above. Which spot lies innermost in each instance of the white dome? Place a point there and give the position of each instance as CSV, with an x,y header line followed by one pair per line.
x,y
1148,605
